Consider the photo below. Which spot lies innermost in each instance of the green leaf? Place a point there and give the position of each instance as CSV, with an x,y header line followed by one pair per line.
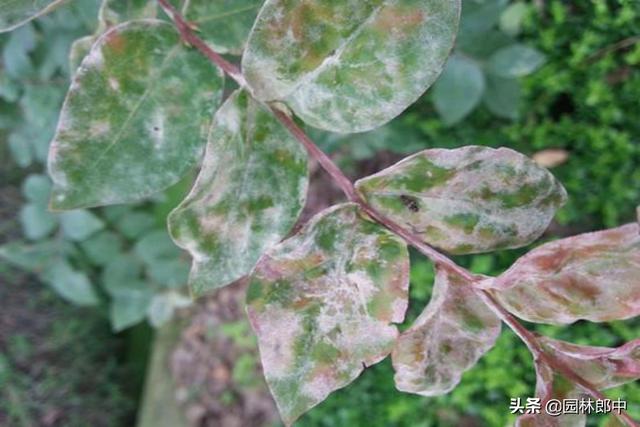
x,y
467,200
15,13
223,24
249,194
135,119
515,61
323,304
36,188
163,306
102,247
453,332
36,221
502,97
135,224
121,275
15,53
33,258
74,286
129,308
479,16
79,225
593,276
162,258
348,65
459,89
511,18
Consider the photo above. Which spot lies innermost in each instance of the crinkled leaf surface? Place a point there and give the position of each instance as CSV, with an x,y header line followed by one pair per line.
x,y
223,24
467,200
593,276
248,195
447,339
135,119
603,367
349,65
14,13
322,304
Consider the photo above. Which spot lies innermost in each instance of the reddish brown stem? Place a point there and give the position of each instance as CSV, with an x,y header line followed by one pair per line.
x,y
190,37
345,184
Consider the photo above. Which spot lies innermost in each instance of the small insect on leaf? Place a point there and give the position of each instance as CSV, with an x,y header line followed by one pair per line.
x,y
468,200
447,339
593,276
249,194
323,304
349,65
135,119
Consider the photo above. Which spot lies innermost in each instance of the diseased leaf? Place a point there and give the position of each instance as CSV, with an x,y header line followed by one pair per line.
x,y
112,13
349,65
79,50
223,24
515,61
459,89
248,196
447,339
322,304
135,118
593,276
602,367
467,200
551,385
14,13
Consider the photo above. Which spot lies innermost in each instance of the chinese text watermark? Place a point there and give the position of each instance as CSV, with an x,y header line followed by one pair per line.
x,y
557,407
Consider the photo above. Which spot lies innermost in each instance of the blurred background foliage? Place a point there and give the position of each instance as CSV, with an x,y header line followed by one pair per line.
x,y
557,80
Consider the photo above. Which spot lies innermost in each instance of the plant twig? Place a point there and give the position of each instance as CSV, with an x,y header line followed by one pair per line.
x,y
190,37
345,184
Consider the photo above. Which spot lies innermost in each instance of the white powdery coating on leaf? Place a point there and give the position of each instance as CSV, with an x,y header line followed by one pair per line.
x,y
321,277
278,332
379,62
113,147
232,214
447,339
502,198
593,276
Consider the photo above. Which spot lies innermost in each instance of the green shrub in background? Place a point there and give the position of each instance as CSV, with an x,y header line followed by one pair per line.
x,y
118,257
